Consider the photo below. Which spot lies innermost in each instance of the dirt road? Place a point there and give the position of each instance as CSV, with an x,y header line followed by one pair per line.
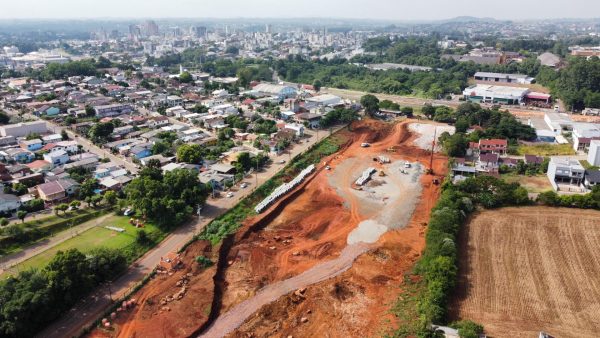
x,y
237,315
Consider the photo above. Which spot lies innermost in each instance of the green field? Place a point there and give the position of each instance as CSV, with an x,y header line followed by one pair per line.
x,y
93,238
546,150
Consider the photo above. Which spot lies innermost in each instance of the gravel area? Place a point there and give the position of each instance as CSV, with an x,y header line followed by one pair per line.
x,y
386,203
426,132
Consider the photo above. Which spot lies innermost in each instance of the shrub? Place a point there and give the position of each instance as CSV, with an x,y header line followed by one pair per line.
x,y
204,261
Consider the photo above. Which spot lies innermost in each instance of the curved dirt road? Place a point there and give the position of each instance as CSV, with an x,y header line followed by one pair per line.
x,y
238,314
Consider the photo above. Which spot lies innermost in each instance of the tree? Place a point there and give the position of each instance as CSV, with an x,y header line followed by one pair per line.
x,y
317,85
110,198
90,111
370,103
64,135
4,222
186,77
94,200
35,204
407,111
100,132
4,118
87,188
74,205
21,214
244,161
190,153
141,238
61,207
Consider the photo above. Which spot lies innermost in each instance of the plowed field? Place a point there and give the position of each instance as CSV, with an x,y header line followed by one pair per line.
x,y
526,270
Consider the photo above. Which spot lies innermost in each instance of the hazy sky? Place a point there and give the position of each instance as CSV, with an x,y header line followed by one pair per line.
x,y
371,9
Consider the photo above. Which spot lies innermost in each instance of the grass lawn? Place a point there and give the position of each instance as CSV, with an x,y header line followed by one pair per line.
x,y
93,238
546,149
533,184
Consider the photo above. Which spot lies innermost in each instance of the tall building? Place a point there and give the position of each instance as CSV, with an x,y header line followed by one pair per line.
x,y
199,32
150,28
134,32
269,29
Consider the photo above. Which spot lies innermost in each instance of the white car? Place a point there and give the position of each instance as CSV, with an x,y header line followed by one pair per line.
x,y
406,165
243,185
128,212
229,195
327,168
281,162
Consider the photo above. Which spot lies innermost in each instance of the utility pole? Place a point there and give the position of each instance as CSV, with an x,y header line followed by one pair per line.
x,y
432,151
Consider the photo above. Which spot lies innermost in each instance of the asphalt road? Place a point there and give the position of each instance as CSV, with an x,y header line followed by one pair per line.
x,y
92,307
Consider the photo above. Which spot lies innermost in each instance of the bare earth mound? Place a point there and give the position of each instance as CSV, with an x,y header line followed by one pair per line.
x,y
526,270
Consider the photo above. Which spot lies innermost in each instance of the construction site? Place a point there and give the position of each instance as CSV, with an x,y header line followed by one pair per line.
x,y
331,246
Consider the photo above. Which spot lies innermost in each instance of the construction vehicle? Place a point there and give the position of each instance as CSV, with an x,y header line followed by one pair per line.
x,y
436,181
381,173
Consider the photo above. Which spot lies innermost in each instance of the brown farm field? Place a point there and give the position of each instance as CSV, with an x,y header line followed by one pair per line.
x,y
525,270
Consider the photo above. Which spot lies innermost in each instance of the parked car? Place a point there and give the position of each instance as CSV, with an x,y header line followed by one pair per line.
x,y
128,212
280,162
243,185
229,195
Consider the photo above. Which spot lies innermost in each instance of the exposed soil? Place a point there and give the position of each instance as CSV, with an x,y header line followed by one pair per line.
x,y
301,242
359,299
526,270
177,318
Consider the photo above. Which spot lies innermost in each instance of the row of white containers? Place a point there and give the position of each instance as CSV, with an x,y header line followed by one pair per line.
x,y
366,175
284,189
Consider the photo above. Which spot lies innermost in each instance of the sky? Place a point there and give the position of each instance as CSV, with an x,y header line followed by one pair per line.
x,y
400,10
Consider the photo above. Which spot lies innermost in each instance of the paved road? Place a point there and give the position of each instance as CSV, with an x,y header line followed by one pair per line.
x,y
91,308
9,261
87,145
418,102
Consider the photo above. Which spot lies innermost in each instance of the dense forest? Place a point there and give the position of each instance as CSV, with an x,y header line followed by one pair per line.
x,y
34,298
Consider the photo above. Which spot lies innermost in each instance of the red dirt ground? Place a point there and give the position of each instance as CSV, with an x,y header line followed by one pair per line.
x,y
178,318
358,301
307,229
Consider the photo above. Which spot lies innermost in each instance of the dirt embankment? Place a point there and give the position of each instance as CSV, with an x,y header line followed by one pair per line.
x,y
155,316
358,301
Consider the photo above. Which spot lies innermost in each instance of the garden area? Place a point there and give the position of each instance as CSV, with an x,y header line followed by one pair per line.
x,y
545,149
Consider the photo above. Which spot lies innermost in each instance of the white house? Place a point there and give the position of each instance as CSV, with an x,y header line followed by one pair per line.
x,y
594,153
57,158
566,172
297,128
9,203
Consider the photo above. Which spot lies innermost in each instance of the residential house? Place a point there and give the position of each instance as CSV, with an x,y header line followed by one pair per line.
x,y
85,163
488,162
57,190
298,129
141,150
310,120
592,178
31,145
52,138
158,121
112,110
533,159
40,166
18,155
565,173
495,146
57,158
9,203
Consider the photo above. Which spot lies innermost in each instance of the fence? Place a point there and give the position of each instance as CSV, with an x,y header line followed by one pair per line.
x,y
284,189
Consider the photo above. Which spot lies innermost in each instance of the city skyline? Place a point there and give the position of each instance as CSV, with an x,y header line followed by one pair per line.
x,y
349,9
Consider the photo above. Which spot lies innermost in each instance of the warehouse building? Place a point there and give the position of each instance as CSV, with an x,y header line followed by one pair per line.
x,y
495,94
504,78
24,129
